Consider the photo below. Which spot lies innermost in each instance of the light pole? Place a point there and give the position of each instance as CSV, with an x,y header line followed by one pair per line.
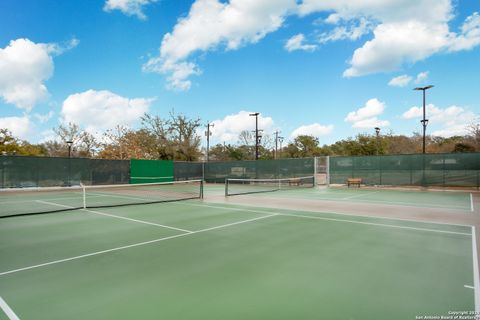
x,y
276,143
256,133
377,132
208,133
424,121
280,139
69,143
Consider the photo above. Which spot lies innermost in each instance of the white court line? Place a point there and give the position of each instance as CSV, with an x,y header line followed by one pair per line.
x,y
359,195
133,245
333,219
135,220
471,202
7,310
339,214
118,217
469,287
476,279
54,204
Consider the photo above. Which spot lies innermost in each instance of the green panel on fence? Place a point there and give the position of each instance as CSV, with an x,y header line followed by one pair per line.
x,y
26,171
445,170
149,171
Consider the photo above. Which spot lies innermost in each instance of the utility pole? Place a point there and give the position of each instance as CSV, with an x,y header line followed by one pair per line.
x,y
424,121
208,133
276,143
256,133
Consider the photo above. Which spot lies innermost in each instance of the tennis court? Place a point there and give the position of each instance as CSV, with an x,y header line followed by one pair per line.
x,y
201,259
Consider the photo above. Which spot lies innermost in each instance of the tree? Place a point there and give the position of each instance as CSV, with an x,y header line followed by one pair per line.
x,y
303,146
9,144
84,144
184,137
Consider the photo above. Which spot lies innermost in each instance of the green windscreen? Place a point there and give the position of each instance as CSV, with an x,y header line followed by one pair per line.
x,y
444,170
262,169
149,171
28,172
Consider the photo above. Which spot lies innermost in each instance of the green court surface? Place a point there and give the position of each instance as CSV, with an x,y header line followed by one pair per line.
x,y
198,260
428,199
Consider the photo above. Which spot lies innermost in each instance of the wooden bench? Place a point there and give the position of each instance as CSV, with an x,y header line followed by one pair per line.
x,y
295,182
354,181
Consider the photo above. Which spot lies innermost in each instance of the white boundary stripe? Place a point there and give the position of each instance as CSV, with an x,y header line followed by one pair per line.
x,y
170,177
8,311
132,245
476,279
118,217
333,219
469,287
336,213
54,204
135,220
471,202
360,195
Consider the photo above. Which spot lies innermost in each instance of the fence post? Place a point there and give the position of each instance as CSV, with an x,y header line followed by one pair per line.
x,y
328,170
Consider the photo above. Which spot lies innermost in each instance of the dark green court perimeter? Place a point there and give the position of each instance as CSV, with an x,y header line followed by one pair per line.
x,y
231,263
456,200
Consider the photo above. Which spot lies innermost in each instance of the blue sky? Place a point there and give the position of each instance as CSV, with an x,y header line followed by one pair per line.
x,y
328,68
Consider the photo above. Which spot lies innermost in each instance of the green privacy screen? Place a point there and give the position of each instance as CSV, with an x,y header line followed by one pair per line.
x,y
445,170
262,169
25,172
184,170
148,171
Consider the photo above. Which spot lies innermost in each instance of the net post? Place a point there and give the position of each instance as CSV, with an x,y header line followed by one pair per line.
x,y
315,170
84,196
226,187
201,189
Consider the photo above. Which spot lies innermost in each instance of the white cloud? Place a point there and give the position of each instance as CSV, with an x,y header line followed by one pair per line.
x,y
44,117
445,122
351,31
128,7
297,43
400,81
20,127
97,111
421,77
397,43
228,128
211,24
404,32
24,68
366,117
314,129
469,36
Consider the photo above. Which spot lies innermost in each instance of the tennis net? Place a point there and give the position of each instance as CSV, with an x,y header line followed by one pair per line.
x,y
247,186
30,201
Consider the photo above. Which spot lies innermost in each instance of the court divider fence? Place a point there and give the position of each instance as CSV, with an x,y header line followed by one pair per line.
x,y
438,170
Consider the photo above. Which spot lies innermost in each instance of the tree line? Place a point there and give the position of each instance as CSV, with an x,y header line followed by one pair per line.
x,y
176,138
